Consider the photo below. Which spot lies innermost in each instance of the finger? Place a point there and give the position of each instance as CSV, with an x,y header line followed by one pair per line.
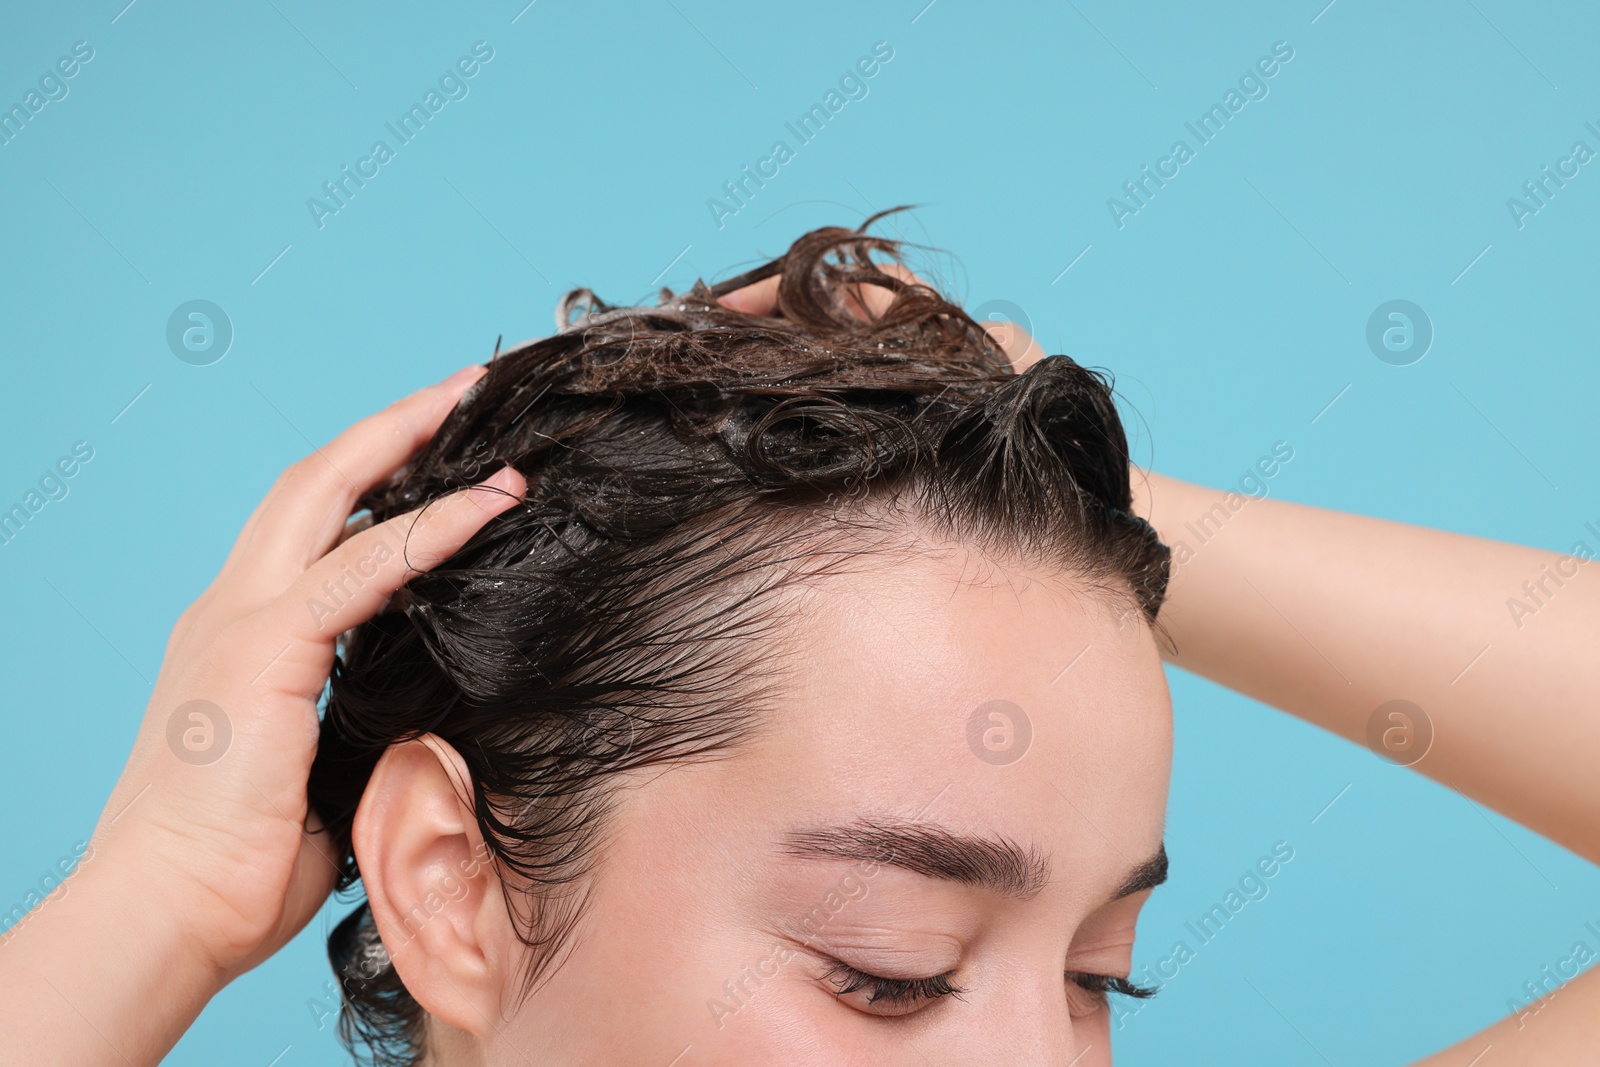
x,y
304,513
315,873
355,526
1018,345
867,301
313,877
864,301
758,299
353,582
1022,349
335,476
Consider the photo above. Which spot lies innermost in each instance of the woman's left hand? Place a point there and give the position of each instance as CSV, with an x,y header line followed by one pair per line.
x,y
761,298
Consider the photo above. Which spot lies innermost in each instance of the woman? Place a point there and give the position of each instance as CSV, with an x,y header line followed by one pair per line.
x,y
790,690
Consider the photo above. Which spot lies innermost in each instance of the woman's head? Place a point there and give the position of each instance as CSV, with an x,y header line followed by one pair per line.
x,y
820,649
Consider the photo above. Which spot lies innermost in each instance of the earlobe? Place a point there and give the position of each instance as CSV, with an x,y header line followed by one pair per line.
x,y
435,898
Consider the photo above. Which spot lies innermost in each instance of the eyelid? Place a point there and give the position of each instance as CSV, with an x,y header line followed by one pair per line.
x,y
881,961
1095,990
895,948
1112,983
1104,943
911,994
1098,952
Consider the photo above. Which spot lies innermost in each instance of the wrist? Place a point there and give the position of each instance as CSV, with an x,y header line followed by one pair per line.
x,y
148,981
126,893
140,902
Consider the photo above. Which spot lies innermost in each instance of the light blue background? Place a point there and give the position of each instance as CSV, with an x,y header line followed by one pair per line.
x,y
1232,309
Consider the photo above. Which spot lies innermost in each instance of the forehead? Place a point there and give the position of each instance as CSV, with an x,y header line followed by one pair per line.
x,y
992,698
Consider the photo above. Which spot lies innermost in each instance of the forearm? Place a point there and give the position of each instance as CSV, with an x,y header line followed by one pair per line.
x,y
1328,616
1559,1028
100,973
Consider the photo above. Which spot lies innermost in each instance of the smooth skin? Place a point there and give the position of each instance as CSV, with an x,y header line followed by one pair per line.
x,y
217,865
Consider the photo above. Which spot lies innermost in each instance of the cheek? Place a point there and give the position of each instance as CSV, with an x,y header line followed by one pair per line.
x,y
1093,1037
647,954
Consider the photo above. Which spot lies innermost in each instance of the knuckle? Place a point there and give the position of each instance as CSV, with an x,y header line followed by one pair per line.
x,y
313,474
185,625
294,477
372,551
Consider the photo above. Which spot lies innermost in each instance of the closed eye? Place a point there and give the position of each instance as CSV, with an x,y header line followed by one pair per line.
x,y
888,996
1098,986
878,995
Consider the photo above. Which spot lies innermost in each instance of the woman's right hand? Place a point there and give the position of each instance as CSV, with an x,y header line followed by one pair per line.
x,y
207,858
217,778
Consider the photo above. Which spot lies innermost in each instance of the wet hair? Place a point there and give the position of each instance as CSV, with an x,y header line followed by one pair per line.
x,y
689,468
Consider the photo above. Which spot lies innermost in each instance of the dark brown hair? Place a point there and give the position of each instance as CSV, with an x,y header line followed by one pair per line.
x,y
686,463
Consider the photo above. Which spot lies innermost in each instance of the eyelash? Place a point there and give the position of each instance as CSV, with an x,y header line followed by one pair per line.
x,y
1102,984
897,991
900,991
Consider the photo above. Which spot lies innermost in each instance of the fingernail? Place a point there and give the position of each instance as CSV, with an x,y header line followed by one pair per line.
x,y
507,478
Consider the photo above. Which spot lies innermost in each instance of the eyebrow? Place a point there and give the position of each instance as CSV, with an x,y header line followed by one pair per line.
x,y
1149,874
994,863
931,850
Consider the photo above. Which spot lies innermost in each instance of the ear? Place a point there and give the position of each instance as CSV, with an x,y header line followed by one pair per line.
x,y
435,897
